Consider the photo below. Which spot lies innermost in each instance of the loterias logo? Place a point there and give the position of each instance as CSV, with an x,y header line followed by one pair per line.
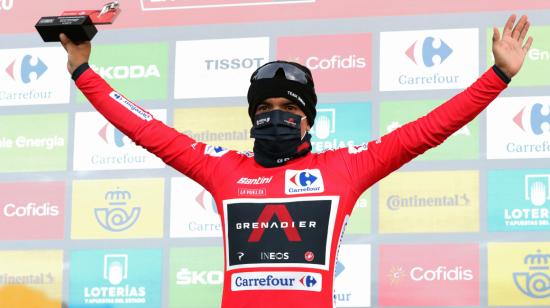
x,y
341,125
279,232
338,62
115,278
276,281
429,275
33,76
518,128
431,59
303,181
519,200
119,215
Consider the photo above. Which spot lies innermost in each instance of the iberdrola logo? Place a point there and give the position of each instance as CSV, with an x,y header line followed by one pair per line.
x,y
534,283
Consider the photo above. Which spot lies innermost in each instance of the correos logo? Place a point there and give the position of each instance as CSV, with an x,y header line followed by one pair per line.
x,y
441,273
336,62
127,71
31,209
187,277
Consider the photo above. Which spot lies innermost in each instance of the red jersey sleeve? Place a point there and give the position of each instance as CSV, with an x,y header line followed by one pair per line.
x,y
174,148
369,163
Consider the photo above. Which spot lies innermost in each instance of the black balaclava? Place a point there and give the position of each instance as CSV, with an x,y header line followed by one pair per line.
x,y
277,133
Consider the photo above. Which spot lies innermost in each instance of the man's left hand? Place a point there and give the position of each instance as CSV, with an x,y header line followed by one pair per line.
x,y
509,50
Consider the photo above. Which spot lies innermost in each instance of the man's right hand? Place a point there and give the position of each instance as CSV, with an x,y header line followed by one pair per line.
x,y
77,53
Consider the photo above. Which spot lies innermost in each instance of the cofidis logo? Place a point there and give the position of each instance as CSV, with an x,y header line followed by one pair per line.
x,y
104,209
228,127
39,269
193,211
429,275
353,266
32,210
196,277
430,59
33,76
339,63
115,278
442,201
140,71
341,125
519,200
519,274
99,145
463,144
225,63
518,127
24,147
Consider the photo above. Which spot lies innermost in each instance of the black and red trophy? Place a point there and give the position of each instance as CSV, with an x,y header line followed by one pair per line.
x,y
79,25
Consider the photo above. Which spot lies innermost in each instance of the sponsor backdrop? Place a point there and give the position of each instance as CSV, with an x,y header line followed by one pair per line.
x,y
89,219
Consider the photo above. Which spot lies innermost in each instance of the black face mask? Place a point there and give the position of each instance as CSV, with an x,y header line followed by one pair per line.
x,y
278,138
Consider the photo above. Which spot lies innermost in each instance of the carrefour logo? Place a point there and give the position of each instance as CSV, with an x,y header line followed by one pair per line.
x,y
532,119
428,50
535,281
26,69
111,135
303,181
276,281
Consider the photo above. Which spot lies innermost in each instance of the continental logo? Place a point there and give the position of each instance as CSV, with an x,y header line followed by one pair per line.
x,y
209,136
395,202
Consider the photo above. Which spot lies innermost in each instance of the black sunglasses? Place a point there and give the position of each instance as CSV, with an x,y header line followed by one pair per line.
x,y
290,71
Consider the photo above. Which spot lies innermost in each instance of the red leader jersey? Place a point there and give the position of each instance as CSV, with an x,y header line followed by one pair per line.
x,y
282,226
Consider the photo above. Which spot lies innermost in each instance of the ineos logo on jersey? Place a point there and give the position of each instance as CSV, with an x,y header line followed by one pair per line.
x,y
303,181
279,232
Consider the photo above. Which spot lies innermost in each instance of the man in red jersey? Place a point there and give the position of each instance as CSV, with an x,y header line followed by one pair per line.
x,y
284,209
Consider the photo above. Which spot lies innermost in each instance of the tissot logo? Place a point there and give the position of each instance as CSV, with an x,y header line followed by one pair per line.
x,y
274,233
303,181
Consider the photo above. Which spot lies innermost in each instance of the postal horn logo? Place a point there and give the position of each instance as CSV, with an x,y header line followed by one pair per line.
x,y
428,49
118,216
535,282
26,69
531,119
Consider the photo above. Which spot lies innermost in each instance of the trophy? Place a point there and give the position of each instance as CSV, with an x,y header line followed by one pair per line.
x,y
79,25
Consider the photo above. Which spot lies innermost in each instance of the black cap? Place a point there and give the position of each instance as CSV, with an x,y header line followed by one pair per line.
x,y
299,89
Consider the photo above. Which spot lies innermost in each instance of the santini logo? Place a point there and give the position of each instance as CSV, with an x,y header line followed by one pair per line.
x,y
303,181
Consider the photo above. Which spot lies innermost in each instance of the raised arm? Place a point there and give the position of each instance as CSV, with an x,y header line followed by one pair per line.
x,y
174,148
371,163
